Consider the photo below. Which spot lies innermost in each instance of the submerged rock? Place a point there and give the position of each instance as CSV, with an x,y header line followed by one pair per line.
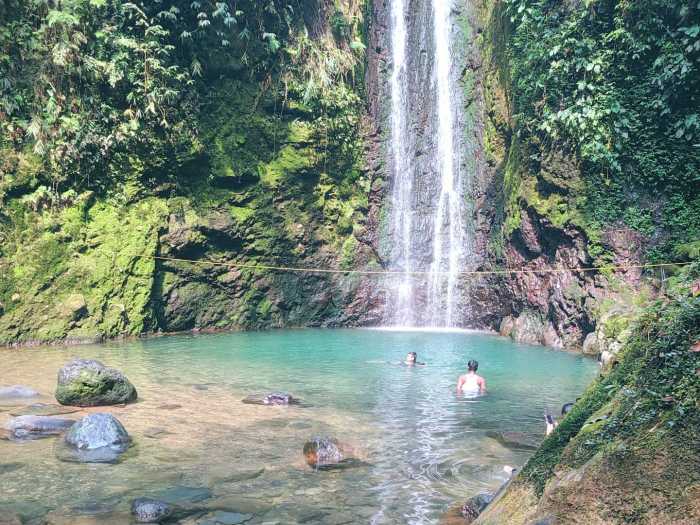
x,y
323,453
86,382
222,517
17,392
273,398
34,427
180,495
43,409
475,506
97,438
515,440
147,510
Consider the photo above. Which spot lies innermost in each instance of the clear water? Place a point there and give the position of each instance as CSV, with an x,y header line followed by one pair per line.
x,y
425,448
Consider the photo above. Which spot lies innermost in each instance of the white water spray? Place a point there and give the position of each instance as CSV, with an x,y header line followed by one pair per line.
x,y
427,224
403,185
448,230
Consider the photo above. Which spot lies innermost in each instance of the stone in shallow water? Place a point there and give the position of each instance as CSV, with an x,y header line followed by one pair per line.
x,y
86,382
34,427
516,440
172,406
43,409
97,438
221,517
17,392
475,506
147,510
6,468
180,495
271,399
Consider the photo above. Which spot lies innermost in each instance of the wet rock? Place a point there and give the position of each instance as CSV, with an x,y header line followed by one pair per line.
x,y
550,337
147,510
17,392
475,506
34,427
86,382
324,453
43,409
515,440
590,344
273,398
97,438
507,326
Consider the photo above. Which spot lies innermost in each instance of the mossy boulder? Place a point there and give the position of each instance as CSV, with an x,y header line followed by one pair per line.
x,y
86,382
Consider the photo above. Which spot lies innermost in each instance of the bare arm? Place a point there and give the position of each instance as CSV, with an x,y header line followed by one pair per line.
x,y
460,382
482,385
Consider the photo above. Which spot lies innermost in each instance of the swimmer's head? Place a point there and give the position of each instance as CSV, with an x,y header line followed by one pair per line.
x,y
472,365
411,357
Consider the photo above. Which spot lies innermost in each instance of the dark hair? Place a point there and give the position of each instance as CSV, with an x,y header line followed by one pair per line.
x,y
413,354
473,365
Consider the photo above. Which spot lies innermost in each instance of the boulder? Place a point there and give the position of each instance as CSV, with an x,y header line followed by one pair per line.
x,y
17,392
475,506
97,438
34,427
147,510
507,326
590,344
322,452
86,382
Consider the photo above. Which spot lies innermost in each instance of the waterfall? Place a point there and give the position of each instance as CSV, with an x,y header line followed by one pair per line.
x,y
428,238
402,187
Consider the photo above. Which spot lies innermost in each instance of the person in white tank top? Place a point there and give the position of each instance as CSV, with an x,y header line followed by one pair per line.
x,y
471,383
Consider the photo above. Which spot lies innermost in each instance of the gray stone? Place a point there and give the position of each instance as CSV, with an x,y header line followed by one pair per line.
x,y
97,438
147,510
86,382
17,392
33,427
590,344
475,506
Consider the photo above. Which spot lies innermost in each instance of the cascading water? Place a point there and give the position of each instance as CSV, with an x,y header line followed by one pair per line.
x,y
402,188
429,241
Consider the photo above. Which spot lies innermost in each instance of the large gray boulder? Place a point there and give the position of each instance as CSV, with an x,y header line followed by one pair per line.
x,y
97,438
34,427
86,382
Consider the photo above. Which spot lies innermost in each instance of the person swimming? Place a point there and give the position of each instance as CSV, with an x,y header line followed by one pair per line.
x,y
471,383
412,360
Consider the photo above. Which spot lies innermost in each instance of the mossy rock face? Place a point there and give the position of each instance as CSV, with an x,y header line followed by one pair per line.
x,y
85,382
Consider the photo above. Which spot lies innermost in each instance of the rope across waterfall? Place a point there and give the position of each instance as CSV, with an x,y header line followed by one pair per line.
x,y
462,273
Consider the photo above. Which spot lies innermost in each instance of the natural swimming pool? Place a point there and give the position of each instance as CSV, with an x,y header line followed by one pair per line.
x,y
425,448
